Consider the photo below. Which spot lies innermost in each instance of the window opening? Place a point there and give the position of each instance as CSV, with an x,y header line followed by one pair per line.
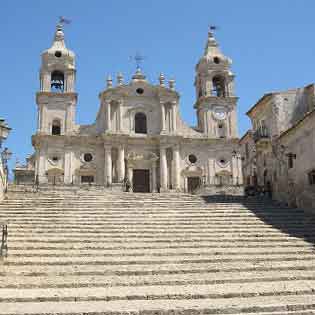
x,y
57,81
219,86
88,157
216,60
140,123
139,91
192,158
58,54
311,177
56,128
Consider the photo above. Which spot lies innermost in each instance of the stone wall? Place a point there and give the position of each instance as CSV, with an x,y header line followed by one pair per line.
x,y
295,183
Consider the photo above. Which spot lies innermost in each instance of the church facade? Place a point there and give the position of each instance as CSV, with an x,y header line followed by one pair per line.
x,y
138,141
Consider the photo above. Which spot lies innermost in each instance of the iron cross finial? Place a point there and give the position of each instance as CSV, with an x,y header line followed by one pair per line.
x,y
138,58
63,20
213,28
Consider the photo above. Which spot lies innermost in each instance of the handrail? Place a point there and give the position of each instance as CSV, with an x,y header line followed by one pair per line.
x,y
4,240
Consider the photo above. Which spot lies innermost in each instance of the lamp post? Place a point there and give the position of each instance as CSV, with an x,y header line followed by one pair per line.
x,y
4,131
6,155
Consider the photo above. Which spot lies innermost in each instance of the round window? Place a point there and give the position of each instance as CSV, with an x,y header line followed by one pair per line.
x,y
222,161
58,54
139,91
88,157
192,158
216,60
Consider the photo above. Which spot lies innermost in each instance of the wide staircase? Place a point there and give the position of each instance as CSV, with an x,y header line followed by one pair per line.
x,y
94,252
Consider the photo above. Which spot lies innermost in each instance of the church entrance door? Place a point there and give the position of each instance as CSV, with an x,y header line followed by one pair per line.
x,y
141,181
193,184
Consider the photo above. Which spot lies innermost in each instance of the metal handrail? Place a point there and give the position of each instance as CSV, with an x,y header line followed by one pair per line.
x,y
4,239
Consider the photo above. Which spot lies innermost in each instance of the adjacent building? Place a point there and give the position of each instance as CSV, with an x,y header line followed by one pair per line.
x,y
278,152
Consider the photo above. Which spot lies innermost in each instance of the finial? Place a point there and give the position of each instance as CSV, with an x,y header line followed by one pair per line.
x,y
120,78
138,59
171,84
63,21
162,79
212,29
109,81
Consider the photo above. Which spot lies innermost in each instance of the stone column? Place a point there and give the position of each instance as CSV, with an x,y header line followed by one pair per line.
x,y
153,177
205,122
162,118
163,169
174,116
234,169
239,169
41,167
211,171
108,118
121,163
68,167
176,158
120,118
108,165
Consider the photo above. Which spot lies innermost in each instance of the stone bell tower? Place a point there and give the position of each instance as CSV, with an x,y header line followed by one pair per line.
x,y
57,99
216,101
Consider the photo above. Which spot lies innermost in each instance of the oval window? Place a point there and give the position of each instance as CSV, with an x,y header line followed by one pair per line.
x,y
192,158
139,91
88,157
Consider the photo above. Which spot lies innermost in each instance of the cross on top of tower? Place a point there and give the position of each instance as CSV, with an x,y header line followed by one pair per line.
x,y
212,29
63,21
138,58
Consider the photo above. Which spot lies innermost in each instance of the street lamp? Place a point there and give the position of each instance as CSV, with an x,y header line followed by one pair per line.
x,y
4,131
6,155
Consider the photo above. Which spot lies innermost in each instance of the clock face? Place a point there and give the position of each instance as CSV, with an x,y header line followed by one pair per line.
x,y
219,113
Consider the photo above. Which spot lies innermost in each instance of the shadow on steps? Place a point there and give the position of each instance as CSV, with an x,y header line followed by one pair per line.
x,y
295,222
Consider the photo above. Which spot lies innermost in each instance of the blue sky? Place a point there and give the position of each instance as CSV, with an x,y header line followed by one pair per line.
x,y
271,43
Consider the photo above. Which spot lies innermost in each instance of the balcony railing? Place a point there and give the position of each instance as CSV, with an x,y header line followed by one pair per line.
x,y
261,133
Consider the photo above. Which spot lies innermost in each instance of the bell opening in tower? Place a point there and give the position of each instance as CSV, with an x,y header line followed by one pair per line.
x,y
57,82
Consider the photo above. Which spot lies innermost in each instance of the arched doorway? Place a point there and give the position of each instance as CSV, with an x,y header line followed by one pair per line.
x,y
55,176
193,178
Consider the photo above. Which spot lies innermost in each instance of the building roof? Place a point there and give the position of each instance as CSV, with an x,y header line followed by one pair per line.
x,y
298,123
247,133
262,99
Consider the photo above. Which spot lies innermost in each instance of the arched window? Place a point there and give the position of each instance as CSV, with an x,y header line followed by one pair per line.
x,y
140,123
57,81
56,128
219,86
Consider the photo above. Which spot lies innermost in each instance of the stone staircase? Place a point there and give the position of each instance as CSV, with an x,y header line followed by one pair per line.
x,y
94,252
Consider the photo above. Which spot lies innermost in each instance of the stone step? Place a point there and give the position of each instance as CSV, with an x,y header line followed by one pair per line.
x,y
153,267
51,252
226,246
151,259
174,292
160,234
166,307
71,281
223,237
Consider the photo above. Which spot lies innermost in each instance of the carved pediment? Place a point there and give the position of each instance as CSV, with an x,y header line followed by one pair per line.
x,y
133,156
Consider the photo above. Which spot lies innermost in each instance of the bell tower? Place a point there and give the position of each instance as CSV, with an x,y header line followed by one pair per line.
x,y
215,98
56,98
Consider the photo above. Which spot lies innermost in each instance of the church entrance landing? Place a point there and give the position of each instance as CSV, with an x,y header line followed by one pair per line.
x,y
141,180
